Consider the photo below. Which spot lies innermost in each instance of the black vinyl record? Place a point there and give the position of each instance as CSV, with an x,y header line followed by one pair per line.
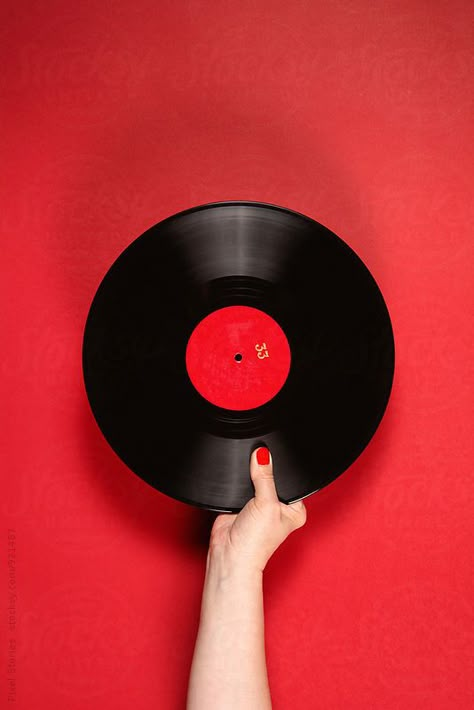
x,y
232,325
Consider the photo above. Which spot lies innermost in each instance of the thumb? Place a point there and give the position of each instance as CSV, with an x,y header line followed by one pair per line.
x,y
261,472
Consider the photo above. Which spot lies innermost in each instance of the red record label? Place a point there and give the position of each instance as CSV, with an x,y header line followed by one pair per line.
x,y
238,357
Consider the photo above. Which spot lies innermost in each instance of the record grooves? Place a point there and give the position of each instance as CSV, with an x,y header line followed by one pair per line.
x,y
283,293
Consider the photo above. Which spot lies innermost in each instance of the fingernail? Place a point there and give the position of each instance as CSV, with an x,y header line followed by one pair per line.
x,y
263,456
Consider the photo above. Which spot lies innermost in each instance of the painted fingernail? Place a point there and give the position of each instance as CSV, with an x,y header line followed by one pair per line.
x,y
263,456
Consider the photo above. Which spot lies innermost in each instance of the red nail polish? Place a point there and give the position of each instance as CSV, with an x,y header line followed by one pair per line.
x,y
263,456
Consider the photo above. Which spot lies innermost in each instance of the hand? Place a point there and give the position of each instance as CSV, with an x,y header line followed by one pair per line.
x,y
246,540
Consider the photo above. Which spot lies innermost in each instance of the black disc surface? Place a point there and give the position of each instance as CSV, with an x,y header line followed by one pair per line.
x,y
249,254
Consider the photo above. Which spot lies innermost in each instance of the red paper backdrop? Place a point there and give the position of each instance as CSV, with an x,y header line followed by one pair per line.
x,y
116,115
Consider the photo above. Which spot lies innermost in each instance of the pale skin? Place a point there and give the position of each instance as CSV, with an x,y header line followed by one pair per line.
x,y
228,670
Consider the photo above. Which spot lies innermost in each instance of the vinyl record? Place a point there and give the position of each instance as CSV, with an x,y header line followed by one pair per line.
x,y
232,325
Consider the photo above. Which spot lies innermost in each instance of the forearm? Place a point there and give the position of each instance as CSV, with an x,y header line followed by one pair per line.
x,y
228,670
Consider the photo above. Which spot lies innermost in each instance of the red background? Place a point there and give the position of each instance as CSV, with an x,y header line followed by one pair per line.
x,y
116,115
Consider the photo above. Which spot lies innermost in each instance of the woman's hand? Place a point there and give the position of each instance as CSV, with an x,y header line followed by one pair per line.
x,y
246,540
229,667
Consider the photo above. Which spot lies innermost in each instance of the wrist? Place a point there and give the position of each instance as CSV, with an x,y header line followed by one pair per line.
x,y
222,568
232,591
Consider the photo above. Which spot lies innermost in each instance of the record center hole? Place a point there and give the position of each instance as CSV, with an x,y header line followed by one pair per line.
x,y
237,357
